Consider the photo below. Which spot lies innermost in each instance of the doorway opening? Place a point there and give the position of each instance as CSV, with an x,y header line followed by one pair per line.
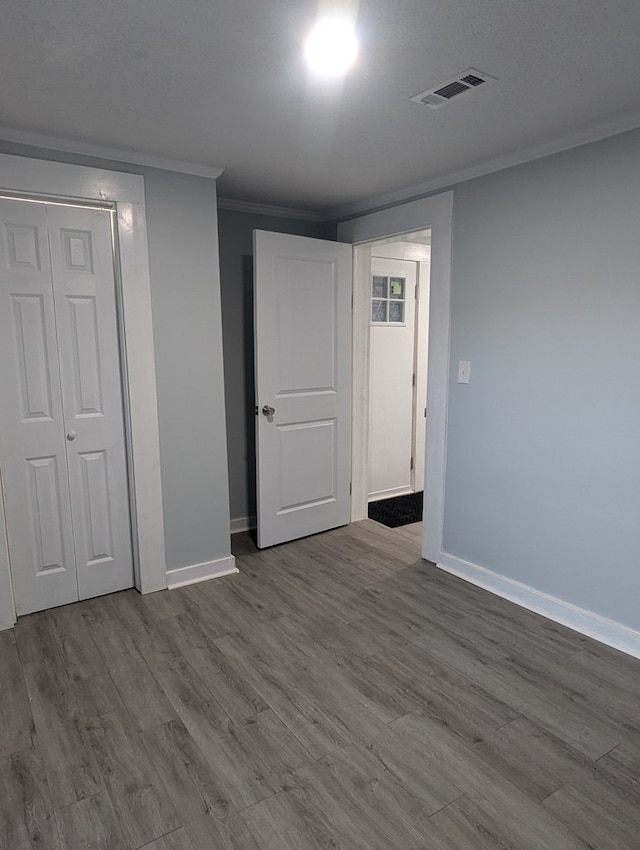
x,y
431,216
392,284
398,345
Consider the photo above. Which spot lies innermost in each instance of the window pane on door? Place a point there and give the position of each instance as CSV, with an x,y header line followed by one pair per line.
x,y
396,311
379,287
397,288
379,311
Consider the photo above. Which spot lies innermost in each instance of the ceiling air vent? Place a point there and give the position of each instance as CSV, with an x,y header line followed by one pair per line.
x,y
445,92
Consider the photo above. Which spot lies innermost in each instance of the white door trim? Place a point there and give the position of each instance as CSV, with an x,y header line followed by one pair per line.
x,y
436,213
421,367
360,402
73,182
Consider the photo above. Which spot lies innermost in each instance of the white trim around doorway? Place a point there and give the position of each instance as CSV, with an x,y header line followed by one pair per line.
x,y
436,213
55,180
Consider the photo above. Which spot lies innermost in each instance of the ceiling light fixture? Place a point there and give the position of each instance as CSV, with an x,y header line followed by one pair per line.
x,y
331,48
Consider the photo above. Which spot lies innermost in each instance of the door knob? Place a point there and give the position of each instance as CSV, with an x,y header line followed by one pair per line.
x,y
268,410
72,435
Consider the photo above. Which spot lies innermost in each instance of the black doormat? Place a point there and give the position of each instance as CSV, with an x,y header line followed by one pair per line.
x,y
399,510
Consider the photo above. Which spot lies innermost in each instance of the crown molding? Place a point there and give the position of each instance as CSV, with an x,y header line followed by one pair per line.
x,y
621,124
628,121
44,140
268,209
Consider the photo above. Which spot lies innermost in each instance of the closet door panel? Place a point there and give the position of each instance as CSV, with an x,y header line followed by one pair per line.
x,y
33,462
86,318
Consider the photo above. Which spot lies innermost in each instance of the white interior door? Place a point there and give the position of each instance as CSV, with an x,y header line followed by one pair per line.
x,y
303,321
61,419
392,377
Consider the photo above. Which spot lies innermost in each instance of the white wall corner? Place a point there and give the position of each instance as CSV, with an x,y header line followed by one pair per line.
x,y
181,576
585,622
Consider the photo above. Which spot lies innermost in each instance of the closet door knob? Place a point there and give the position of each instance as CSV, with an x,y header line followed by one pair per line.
x,y
72,435
268,410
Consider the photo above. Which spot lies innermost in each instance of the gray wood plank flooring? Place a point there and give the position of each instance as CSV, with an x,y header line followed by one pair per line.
x,y
338,693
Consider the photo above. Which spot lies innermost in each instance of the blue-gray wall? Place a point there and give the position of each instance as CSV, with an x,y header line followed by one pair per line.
x,y
543,463
236,282
185,293
187,321
543,452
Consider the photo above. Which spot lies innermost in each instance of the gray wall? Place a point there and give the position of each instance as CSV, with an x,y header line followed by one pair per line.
x,y
183,253
543,465
183,259
543,455
236,281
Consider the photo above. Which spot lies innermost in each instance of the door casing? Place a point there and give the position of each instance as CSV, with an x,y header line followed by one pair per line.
x,y
62,182
436,213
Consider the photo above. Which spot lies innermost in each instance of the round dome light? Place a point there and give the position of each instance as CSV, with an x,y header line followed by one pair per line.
x,y
331,48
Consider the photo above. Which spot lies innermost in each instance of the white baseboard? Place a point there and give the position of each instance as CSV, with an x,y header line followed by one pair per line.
x,y
243,523
587,623
388,494
201,572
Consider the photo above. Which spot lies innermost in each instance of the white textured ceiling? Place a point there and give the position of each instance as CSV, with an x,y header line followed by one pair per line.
x,y
222,83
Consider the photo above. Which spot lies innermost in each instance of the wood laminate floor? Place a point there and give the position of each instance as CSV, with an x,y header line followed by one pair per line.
x,y
338,693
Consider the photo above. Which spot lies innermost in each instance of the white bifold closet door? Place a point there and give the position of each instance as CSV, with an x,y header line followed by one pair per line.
x,y
62,445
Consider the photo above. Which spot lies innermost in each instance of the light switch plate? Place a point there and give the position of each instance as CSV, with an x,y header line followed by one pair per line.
x,y
464,371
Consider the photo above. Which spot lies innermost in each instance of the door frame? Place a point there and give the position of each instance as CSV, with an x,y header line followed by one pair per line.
x,y
61,181
435,213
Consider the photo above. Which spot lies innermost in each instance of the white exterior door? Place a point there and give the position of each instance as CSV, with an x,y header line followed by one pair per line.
x,y
62,455
392,378
303,385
